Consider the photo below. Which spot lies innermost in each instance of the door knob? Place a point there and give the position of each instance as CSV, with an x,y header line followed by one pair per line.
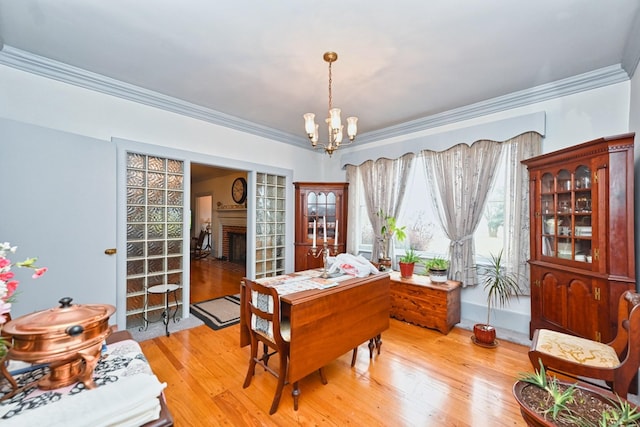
x,y
110,251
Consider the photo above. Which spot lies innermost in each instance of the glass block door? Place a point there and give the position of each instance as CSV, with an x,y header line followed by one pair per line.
x,y
155,217
270,225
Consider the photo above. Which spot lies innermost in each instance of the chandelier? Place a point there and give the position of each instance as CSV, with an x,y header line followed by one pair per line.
x,y
334,122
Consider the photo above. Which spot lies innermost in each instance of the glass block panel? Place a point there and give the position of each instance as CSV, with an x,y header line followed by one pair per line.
x,y
135,160
155,247
175,166
135,178
135,196
174,246
174,214
135,267
155,265
156,197
156,180
175,278
282,181
135,249
156,164
135,285
155,214
135,231
175,182
135,213
174,231
174,263
174,198
155,231
153,280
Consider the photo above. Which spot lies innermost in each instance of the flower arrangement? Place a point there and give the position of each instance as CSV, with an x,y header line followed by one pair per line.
x,y
8,285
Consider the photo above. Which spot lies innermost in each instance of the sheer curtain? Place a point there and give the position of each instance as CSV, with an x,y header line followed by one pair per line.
x,y
384,183
461,177
516,213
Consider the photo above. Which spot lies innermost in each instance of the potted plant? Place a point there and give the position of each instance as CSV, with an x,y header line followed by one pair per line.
x,y
407,263
500,286
437,269
388,231
549,402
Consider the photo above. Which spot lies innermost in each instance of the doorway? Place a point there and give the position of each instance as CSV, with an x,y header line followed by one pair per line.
x,y
212,204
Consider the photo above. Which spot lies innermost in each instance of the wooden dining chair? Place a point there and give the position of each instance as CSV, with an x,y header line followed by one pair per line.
x,y
262,315
615,363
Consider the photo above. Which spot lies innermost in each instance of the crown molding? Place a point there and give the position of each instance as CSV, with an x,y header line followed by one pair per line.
x,y
56,70
579,83
45,67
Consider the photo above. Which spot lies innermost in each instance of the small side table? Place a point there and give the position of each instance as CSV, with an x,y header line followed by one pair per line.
x,y
166,313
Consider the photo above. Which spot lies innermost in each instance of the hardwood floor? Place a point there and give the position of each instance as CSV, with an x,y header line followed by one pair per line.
x,y
421,378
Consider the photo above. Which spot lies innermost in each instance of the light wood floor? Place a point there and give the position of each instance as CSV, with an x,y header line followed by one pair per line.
x,y
421,378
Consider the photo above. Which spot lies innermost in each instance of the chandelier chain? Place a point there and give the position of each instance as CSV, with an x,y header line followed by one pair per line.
x,y
330,96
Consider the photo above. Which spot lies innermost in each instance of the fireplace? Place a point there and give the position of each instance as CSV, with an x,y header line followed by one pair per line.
x,y
234,244
238,248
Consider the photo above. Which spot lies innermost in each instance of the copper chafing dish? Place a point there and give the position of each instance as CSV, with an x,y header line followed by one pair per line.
x,y
68,338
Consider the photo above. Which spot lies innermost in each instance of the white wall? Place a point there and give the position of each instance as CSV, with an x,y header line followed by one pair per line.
x,y
29,98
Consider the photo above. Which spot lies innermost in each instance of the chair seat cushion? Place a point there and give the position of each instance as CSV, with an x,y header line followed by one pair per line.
x,y
576,349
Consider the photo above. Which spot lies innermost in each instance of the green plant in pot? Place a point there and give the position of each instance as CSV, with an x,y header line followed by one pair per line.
x,y
500,286
408,263
437,269
388,231
546,401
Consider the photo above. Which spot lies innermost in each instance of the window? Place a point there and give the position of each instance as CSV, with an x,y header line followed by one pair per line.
x,y
424,232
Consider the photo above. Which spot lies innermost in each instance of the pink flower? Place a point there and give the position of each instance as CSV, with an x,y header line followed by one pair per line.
x,y
6,276
4,262
11,288
39,272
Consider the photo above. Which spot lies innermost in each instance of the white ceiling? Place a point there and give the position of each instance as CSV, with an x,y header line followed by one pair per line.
x,y
261,61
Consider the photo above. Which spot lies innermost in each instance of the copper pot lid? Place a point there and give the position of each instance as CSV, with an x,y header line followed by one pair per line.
x,y
60,319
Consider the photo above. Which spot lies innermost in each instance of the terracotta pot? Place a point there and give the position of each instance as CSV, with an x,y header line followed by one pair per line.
x,y
69,338
406,269
484,334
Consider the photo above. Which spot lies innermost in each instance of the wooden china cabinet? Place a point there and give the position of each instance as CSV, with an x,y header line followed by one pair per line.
x,y
319,202
582,236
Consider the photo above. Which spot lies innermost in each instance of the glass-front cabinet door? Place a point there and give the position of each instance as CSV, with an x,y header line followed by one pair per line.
x,y
321,222
321,216
565,212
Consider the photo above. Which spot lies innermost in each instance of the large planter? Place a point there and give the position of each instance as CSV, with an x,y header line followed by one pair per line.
x,y
406,269
593,400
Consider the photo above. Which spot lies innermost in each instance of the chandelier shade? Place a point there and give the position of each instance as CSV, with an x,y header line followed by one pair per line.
x,y
333,121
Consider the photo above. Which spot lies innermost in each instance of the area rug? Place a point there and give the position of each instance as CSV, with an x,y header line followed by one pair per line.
x,y
218,313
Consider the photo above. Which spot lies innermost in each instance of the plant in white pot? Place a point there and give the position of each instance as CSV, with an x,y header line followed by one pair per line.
x,y
437,268
500,286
